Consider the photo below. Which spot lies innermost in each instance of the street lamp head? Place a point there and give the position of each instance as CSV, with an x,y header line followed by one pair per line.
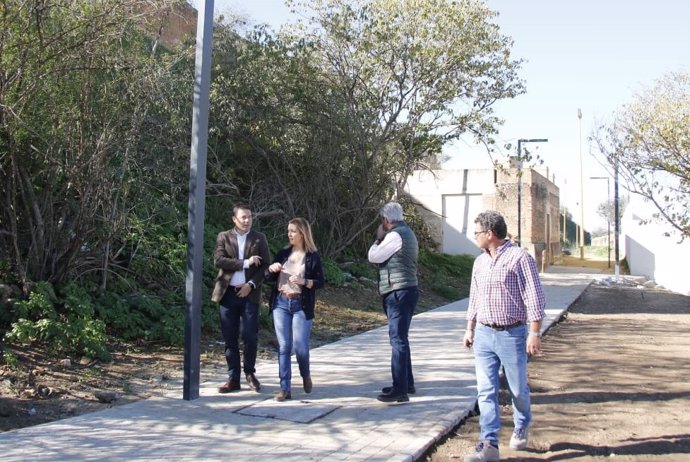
x,y
579,113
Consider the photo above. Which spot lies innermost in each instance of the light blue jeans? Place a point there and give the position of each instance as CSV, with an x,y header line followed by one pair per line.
x,y
491,349
292,328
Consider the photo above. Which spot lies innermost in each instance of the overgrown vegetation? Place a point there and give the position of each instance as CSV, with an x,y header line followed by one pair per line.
x,y
325,121
65,323
451,274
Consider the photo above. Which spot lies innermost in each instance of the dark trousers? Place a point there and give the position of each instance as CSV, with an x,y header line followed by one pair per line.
x,y
399,306
239,315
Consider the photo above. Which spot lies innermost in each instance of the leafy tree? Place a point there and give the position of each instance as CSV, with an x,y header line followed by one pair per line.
x,y
329,118
89,129
572,231
325,121
606,209
648,141
94,126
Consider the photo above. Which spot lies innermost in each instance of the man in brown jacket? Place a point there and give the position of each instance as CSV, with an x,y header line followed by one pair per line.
x,y
242,257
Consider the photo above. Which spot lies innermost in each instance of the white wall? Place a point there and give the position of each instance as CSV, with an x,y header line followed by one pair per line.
x,y
649,252
456,198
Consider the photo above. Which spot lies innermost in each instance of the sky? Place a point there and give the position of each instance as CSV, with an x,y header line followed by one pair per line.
x,y
592,55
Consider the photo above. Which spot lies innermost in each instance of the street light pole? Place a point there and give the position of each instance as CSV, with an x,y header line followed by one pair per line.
x,y
616,221
197,200
608,212
582,191
519,183
565,215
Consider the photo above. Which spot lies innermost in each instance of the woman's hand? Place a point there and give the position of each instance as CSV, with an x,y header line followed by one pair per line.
x,y
275,268
300,281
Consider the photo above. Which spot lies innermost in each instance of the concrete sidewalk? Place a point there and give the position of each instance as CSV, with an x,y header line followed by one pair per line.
x,y
340,420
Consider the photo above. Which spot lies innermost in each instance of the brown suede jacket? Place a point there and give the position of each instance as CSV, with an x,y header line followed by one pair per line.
x,y
225,259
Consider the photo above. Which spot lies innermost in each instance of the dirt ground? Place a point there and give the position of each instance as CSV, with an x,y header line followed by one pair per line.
x,y
611,383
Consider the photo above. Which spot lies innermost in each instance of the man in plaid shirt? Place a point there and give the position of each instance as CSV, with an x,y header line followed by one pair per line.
x,y
506,308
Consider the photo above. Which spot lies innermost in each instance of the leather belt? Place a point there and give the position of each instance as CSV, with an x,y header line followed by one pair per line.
x,y
501,328
291,295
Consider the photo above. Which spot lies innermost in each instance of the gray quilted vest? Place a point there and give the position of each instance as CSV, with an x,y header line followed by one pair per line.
x,y
400,271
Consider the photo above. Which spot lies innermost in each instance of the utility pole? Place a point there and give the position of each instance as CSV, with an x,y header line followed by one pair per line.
x,y
582,190
565,215
608,212
616,220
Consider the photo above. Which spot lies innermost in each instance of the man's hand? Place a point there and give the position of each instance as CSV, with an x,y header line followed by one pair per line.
x,y
468,340
533,344
380,232
254,260
244,291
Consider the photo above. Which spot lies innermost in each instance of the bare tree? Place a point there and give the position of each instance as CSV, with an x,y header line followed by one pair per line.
x,y
647,142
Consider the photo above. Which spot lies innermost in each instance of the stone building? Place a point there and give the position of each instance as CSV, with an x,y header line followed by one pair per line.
x,y
450,200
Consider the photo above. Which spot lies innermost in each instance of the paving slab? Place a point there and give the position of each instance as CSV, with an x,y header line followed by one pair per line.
x,y
340,420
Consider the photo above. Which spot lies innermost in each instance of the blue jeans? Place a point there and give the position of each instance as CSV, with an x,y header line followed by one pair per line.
x,y
292,328
491,349
399,306
239,314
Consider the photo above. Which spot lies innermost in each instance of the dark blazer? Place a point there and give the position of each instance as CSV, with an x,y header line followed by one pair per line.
x,y
312,270
225,259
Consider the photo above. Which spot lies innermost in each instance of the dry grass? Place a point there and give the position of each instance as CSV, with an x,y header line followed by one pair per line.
x,y
587,262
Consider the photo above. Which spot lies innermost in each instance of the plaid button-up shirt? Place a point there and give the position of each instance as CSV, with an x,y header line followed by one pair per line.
x,y
506,289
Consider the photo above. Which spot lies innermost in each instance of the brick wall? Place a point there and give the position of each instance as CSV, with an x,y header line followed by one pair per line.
x,y
540,212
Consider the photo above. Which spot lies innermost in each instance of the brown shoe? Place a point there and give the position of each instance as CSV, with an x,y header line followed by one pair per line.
x,y
283,395
306,381
253,382
230,385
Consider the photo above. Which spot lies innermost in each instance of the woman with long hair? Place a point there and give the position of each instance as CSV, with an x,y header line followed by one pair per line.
x,y
297,272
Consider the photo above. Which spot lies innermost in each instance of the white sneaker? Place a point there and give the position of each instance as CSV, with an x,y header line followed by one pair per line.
x,y
484,452
519,438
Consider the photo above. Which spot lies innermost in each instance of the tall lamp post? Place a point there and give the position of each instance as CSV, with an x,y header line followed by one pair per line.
x,y
565,215
616,221
608,211
582,191
521,141
197,200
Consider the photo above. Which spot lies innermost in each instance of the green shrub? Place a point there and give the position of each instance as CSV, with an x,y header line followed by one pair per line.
x,y
419,225
143,316
447,291
11,361
265,319
63,324
5,271
332,273
363,269
450,274
459,266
